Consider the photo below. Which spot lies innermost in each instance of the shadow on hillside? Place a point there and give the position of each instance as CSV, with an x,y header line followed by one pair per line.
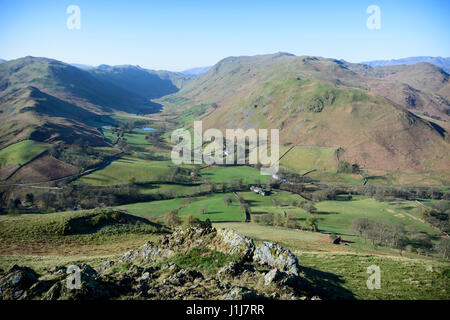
x,y
328,285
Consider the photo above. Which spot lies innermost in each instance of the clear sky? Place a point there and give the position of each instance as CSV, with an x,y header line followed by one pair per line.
x,y
177,35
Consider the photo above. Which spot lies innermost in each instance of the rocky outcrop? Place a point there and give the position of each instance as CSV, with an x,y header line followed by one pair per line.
x,y
273,255
159,271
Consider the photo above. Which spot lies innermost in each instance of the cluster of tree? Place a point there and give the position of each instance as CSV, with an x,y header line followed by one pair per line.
x,y
383,193
16,205
293,177
437,214
79,154
287,220
172,219
156,139
346,167
396,236
381,234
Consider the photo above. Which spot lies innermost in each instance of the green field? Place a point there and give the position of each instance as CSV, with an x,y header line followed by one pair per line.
x,y
215,208
136,138
14,156
20,152
154,209
109,134
337,216
227,174
123,170
304,158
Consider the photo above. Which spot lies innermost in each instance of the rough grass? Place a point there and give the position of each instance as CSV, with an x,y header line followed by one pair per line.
x,y
202,259
401,278
94,224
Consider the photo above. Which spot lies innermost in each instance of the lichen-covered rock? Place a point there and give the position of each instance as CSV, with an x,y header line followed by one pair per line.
x,y
90,288
149,252
235,243
271,276
14,283
167,270
240,293
230,270
183,239
273,255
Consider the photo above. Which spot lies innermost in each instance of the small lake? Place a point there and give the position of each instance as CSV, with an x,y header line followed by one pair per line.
x,y
148,129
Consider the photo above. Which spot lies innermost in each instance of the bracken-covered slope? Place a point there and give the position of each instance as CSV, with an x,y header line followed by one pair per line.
x,y
47,100
322,102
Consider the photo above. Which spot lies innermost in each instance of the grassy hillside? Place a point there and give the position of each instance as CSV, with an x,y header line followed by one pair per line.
x,y
123,170
318,102
305,158
16,155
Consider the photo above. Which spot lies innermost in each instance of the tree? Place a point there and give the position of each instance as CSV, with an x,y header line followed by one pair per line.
x,y
308,207
172,218
361,225
228,200
443,247
290,221
202,209
277,219
29,198
212,187
311,223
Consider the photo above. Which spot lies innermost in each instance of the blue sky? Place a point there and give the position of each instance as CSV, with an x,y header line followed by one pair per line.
x,y
177,35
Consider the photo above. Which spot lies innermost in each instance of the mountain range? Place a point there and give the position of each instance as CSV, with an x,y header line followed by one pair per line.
x,y
388,118
378,115
443,63
49,100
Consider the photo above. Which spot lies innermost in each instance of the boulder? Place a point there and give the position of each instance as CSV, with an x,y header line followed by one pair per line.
x,y
275,256
240,293
14,283
234,243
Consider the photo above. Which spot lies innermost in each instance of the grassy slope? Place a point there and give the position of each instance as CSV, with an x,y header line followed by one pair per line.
x,y
304,158
126,168
20,152
14,156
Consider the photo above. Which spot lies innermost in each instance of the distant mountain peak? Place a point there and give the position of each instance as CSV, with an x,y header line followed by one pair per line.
x,y
443,63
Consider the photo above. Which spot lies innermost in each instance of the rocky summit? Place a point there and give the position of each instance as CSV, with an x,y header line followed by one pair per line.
x,y
189,263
